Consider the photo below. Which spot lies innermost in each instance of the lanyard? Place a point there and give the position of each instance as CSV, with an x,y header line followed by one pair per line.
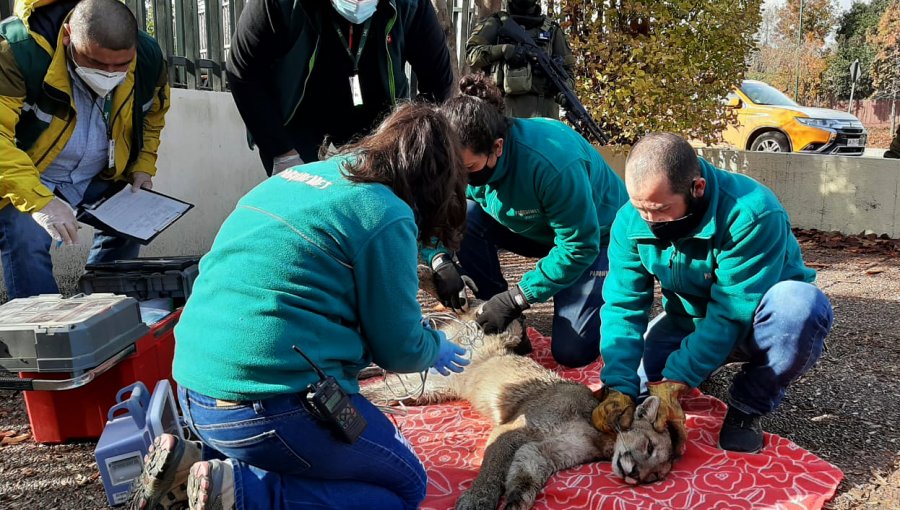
x,y
107,118
106,111
107,114
362,42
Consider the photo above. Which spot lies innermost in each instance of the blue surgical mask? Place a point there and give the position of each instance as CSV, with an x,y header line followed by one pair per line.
x,y
355,11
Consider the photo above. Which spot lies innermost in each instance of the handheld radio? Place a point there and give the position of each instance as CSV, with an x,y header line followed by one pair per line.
x,y
331,404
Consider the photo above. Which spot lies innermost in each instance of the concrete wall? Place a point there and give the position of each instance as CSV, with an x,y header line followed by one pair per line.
x,y
204,160
847,194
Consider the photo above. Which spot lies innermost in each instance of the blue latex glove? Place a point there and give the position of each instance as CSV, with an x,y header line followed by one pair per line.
x,y
450,357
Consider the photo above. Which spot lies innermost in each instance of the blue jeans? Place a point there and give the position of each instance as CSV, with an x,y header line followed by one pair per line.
x,y
283,457
788,335
25,249
576,309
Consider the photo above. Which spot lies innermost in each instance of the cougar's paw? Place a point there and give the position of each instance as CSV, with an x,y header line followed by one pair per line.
x,y
518,501
521,493
472,500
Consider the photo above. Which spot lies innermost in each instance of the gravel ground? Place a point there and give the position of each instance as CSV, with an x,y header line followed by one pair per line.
x,y
845,410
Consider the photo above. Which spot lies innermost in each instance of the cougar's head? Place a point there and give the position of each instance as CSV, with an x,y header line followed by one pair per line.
x,y
641,454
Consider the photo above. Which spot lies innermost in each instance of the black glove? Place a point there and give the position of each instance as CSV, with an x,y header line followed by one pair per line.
x,y
449,283
518,57
561,100
499,311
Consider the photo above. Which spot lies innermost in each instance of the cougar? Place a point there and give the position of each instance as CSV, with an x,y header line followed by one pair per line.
x,y
542,423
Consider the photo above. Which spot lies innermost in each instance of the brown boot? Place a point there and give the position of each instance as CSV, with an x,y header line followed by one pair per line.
x,y
163,481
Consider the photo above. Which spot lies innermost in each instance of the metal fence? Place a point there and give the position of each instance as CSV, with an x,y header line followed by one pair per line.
x,y
872,112
194,34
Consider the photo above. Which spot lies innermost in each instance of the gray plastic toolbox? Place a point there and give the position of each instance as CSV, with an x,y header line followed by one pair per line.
x,y
49,333
142,278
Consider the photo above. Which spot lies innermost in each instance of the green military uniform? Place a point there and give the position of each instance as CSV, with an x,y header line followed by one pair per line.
x,y
529,92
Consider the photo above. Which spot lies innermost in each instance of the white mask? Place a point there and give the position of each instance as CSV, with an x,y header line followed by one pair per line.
x,y
101,82
355,11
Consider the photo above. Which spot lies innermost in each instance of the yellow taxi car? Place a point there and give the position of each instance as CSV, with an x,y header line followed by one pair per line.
x,y
769,121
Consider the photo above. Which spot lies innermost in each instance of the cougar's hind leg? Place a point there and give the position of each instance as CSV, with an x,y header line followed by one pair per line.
x,y
438,388
534,464
488,486
408,389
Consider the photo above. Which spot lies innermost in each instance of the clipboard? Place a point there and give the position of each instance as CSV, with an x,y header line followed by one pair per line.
x,y
139,218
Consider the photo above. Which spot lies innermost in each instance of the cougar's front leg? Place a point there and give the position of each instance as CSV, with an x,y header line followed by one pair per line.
x,y
536,462
488,486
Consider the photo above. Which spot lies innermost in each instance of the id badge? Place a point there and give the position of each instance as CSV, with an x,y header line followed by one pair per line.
x,y
111,159
355,90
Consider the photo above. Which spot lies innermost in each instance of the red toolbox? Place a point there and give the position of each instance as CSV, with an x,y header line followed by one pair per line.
x,y
63,408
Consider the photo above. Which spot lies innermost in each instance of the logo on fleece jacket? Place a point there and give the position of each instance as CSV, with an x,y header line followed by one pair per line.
x,y
316,181
528,213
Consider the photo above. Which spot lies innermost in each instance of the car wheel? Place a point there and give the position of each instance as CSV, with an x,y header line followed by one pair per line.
x,y
771,142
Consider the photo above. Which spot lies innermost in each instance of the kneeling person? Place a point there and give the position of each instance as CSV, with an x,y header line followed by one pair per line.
x,y
539,189
734,286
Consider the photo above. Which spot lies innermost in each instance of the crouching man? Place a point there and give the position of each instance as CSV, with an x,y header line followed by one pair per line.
x,y
734,287
83,97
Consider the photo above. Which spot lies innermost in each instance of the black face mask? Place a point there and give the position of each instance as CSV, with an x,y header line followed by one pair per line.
x,y
482,177
677,229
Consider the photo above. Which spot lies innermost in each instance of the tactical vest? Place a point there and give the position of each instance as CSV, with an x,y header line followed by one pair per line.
x,y
34,61
520,80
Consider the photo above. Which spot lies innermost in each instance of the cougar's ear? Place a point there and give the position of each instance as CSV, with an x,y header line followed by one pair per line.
x,y
516,328
426,280
648,410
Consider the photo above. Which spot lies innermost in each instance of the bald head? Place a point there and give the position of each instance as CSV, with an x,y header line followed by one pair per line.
x,y
663,155
108,24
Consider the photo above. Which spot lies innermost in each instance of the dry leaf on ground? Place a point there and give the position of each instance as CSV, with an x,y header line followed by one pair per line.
x,y
10,440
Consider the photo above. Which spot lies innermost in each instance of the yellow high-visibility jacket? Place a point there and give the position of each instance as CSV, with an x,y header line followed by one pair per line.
x,y
50,117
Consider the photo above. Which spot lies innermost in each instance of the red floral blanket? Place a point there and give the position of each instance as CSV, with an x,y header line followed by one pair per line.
x,y
450,439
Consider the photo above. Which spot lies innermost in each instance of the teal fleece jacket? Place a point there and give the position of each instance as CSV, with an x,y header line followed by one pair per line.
x,y
712,281
553,187
311,259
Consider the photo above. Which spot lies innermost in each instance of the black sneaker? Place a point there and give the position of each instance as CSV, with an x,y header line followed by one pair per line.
x,y
741,432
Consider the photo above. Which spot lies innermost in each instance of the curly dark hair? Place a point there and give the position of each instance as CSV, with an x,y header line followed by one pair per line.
x,y
478,114
416,153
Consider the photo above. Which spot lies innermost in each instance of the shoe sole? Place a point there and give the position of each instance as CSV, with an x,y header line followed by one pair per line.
x,y
196,492
152,488
719,445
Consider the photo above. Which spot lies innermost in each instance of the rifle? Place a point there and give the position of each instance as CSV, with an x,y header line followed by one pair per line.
x,y
576,114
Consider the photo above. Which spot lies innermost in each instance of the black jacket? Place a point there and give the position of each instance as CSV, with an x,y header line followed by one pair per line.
x,y
289,72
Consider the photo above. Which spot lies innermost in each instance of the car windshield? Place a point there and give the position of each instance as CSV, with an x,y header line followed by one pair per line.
x,y
763,94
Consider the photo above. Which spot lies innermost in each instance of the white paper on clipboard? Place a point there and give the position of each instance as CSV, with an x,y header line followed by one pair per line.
x,y
140,214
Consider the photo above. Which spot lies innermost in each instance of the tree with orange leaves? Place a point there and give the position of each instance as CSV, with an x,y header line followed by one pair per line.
x,y
886,41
